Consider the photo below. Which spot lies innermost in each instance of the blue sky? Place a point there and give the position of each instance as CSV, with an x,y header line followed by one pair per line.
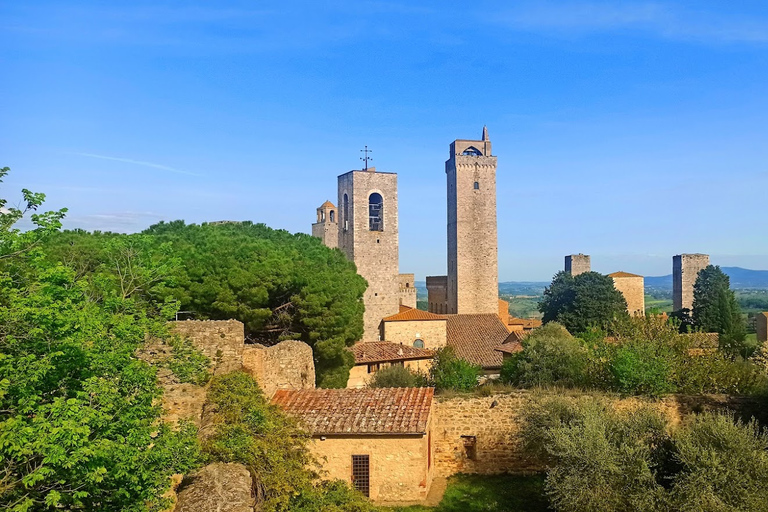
x,y
631,131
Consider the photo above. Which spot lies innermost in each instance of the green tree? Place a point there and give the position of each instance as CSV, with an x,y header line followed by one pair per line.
x,y
715,309
79,412
396,376
451,372
581,302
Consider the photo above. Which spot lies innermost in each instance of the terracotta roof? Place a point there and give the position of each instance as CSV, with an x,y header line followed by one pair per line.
x,y
379,351
513,345
359,411
475,338
412,314
527,323
623,274
509,348
327,204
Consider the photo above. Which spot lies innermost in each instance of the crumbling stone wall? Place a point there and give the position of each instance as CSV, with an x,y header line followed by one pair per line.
x,y
287,365
220,340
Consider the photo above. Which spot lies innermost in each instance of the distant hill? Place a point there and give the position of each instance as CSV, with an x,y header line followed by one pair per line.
x,y
741,278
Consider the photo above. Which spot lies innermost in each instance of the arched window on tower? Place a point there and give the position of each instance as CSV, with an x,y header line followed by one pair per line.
x,y
472,151
345,211
375,212
333,216
477,185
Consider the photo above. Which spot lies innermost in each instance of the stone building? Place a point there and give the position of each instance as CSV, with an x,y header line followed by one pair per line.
x,y
372,356
761,326
632,286
685,270
379,440
576,264
407,284
327,226
368,235
416,328
437,294
473,278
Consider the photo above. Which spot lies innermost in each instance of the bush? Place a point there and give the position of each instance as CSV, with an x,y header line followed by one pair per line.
x,y
550,356
395,376
451,372
643,368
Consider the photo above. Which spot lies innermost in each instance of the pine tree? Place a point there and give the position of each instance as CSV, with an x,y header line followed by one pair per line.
x,y
715,309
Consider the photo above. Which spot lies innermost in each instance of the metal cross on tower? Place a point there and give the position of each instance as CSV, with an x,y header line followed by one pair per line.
x,y
366,158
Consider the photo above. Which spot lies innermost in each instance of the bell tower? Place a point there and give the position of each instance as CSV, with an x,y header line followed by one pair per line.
x,y
473,270
327,226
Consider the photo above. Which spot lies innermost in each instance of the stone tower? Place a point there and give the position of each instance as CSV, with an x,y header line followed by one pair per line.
x,y
576,264
473,276
685,270
327,227
368,235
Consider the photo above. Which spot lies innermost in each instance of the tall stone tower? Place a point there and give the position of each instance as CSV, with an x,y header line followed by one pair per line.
x,y
327,226
368,235
685,270
576,264
473,271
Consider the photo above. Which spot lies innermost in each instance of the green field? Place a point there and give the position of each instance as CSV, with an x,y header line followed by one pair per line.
x,y
489,493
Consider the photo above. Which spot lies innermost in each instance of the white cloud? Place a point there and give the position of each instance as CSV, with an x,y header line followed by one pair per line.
x,y
138,162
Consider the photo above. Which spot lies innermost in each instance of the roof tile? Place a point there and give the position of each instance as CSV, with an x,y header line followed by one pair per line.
x,y
379,351
475,338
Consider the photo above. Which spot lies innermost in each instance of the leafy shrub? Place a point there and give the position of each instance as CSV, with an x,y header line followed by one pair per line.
x,y
643,368
451,372
395,376
550,356
715,372
187,362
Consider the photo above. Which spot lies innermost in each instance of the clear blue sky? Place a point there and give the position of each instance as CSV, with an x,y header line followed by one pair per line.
x,y
631,131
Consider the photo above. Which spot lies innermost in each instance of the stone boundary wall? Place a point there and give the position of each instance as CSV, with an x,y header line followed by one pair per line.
x,y
221,341
493,425
287,365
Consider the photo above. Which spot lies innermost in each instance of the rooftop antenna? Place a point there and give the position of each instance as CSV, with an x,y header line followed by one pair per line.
x,y
366,158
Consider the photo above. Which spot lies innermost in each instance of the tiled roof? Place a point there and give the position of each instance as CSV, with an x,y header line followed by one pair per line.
x,y
413,314
475,338
359,411
327,204
509,348
379,351
623,274
527,323
513,345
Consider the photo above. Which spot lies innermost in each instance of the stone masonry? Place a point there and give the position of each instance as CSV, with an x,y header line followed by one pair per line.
x,y
220,340
576,264
407,284
327,226
685,270
473,278
370,240
632,286
437,294
287,365
761,325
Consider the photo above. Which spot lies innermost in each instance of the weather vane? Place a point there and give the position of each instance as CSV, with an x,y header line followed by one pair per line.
x,y
366,158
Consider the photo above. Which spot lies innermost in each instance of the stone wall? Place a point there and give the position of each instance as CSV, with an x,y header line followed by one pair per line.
x,y
633,289
761,325
437,294
473,274
407,284
375,253
685,270
576,264
220,340
287,365
432,332
399,469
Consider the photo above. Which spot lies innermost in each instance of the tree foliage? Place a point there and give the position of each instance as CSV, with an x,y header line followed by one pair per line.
x,y
578,303
79,412
451,372
715,309
396,376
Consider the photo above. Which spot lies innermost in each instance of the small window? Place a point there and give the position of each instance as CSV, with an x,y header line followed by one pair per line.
x,y
373,368
407,285
333,216
418,343
472,151
477,185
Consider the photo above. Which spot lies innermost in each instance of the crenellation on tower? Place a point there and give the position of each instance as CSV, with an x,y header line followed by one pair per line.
x,y
473,282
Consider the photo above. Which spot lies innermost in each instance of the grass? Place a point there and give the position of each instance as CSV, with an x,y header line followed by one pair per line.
x,y
489,493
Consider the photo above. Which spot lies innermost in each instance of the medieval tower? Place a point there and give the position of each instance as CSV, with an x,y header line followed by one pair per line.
x,y
685,270
367,231
327,227
473,278
576,264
